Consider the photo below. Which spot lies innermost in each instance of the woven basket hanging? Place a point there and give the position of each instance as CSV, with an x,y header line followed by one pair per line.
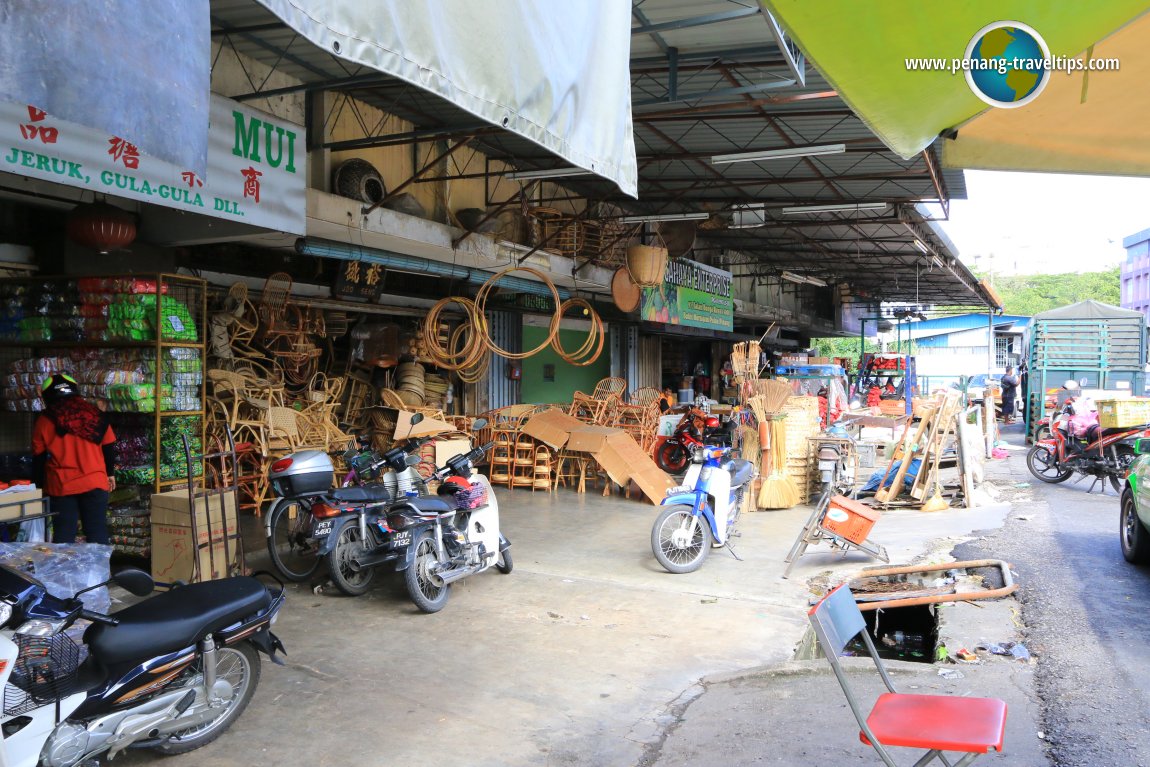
x,y
647,264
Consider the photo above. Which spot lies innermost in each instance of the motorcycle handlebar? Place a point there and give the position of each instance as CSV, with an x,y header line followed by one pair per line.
x,y
96,617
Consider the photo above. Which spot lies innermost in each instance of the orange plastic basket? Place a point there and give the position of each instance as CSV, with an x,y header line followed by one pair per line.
x,y
850,519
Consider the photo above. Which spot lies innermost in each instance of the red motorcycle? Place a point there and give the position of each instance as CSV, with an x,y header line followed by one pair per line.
x,y
695,429
1104,454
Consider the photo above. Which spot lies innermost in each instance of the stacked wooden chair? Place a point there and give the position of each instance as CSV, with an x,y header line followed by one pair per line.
x,y
599,406
640,417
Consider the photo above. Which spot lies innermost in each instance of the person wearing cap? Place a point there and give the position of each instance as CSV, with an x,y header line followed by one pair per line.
x,y
72,456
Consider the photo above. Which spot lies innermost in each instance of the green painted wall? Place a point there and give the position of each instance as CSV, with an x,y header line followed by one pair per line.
x,y
568,378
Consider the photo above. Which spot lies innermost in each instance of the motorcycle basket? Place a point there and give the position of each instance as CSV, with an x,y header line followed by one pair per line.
x,y
472,498
44,670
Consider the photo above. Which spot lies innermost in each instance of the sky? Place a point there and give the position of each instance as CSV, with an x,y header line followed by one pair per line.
x,y
1046,223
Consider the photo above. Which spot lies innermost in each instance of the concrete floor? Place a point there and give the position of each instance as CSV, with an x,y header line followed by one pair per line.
x,y
584,655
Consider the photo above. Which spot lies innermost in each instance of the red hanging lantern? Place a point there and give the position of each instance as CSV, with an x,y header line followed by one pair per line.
x,y
101,227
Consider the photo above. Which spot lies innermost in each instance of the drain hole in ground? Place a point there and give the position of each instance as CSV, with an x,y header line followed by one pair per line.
x,y
904,633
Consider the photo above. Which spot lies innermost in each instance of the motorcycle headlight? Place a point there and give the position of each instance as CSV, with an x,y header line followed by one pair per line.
x,y
40,628
5,613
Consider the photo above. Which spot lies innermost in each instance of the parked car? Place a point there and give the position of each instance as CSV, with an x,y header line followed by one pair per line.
x,y
1134,523
977,384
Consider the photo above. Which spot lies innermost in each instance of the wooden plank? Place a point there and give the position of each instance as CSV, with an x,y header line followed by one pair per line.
x,y
887,494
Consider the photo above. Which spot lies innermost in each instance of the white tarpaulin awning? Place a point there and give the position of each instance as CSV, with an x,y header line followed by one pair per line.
x,y
137,70
555,73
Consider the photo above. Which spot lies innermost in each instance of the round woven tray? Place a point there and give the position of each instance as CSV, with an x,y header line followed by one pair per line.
x,y
624,291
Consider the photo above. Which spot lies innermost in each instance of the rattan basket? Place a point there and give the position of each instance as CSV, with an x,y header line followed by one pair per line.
x,y
556,231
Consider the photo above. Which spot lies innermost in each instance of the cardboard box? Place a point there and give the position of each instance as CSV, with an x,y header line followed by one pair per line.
x,y
589,439
449,448
623,459
174,551
428,426
10,504
551,427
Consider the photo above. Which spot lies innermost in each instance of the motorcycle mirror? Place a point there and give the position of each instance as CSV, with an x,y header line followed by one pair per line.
x,y
478,424
135,582
416,418
413,460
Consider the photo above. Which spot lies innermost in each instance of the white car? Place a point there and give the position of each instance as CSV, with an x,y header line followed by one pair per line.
x,y
976,387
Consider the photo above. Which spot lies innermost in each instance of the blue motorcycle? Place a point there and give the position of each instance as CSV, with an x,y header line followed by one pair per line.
x,y
704,509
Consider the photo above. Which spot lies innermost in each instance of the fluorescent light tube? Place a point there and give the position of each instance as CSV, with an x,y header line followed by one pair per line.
x,y
779,154
527,175
664,217
837,208
802,279
922,247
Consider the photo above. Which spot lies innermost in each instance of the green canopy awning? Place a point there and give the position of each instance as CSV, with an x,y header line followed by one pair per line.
x,y
862,50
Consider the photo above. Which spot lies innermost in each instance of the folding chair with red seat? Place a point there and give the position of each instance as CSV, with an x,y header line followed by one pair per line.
x,y
972,726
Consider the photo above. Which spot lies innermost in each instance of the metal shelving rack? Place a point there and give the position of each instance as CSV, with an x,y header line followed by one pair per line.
x,y
192,293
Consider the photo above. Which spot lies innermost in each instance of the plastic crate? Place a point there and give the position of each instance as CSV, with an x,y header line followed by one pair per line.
x,y
849,519
868,454
1121,413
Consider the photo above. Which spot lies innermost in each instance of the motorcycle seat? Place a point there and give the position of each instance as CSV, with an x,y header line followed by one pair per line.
x,y
741,471
364,494
175,619
431,507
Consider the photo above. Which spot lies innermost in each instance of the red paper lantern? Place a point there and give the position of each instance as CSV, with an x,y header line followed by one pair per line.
x,y
101,227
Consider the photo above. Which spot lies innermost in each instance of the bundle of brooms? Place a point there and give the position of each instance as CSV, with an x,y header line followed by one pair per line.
x,y
778,491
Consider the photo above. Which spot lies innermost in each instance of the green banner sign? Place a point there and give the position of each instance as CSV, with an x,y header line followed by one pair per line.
x,y
692,295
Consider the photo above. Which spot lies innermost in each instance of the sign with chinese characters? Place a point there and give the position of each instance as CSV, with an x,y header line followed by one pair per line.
x,y
255,164
692,295
359,280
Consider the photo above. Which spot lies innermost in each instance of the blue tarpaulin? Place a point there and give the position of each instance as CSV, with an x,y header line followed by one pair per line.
x,y
911,472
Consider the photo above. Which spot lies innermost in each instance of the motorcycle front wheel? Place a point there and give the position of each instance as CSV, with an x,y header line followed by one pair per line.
x,y
1044,466
671,457
503,562
1126,456
239,666
345,574
680,541
427,591
292,551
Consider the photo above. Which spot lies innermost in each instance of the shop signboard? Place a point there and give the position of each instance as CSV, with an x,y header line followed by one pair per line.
x,y
361,280
255,164
692,295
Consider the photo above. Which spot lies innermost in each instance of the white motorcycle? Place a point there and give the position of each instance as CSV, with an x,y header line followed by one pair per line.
x,y
170,673
454,535
704,508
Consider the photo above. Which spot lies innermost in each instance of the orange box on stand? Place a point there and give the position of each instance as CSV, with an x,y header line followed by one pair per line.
x,y
850,519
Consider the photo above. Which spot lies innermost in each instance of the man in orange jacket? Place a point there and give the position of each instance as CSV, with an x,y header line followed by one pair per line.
x,y
72,454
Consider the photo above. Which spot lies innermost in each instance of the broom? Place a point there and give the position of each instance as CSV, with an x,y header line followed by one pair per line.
x,y
936,502
778,490
775,394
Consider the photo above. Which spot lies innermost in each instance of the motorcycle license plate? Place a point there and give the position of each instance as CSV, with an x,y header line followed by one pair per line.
x,y
401,539
322,528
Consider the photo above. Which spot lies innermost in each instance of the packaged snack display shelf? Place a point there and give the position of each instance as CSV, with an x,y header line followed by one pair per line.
x,y
184,291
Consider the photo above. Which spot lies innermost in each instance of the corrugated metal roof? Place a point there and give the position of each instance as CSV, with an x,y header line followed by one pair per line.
x,y
700,89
